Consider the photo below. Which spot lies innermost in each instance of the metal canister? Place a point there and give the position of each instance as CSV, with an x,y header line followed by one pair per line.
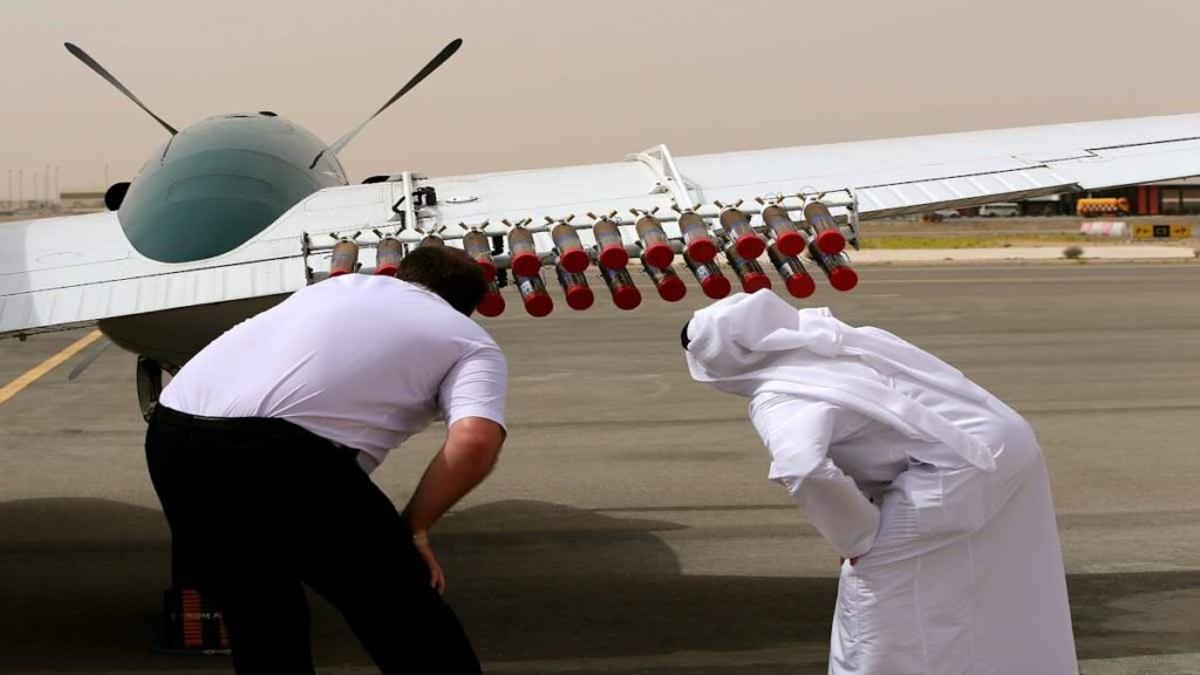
x,y
492,303
432,240
344,258
737,227
625,295
533,293
799,282
668,284
828,237
524,259
656,247
748,271
611,248
475,243
388,253
712,281
836,268
696,240
575,288
571,253
783,231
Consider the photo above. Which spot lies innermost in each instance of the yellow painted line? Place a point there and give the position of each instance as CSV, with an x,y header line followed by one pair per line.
x,y
33,374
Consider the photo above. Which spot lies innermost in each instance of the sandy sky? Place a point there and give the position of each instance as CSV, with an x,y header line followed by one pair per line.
x,y
541,82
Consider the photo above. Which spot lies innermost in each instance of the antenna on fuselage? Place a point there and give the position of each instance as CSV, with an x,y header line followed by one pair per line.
x,y
433,65
108,77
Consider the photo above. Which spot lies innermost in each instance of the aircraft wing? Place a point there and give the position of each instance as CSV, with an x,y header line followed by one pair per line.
x,y
68,272
65,272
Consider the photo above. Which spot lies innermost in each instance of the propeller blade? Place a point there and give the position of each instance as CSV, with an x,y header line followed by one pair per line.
x,y
433,65
91,63
88,359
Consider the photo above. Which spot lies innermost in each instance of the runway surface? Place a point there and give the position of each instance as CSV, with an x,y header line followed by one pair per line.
x,y
630,527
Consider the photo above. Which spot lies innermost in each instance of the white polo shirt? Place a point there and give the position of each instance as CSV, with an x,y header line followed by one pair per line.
x,y
364,361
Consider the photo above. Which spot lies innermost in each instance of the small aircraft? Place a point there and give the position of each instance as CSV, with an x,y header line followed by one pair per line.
x,y
237,211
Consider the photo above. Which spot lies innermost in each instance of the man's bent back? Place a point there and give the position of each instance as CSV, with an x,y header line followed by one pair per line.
x,y
260,447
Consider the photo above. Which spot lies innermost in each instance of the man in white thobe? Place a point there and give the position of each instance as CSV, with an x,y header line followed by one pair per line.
x,y
933,491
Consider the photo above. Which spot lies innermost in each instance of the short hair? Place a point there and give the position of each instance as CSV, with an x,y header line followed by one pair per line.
x,y
448,272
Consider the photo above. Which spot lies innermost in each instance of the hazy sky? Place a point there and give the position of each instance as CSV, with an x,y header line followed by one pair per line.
x,y
551,82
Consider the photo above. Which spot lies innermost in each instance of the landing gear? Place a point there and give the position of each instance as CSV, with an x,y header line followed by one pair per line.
x,y
149,385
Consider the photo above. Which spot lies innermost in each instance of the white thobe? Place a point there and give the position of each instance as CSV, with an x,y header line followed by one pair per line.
x,y
936,487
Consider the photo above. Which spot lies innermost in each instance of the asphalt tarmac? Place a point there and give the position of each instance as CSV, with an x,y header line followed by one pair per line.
x,y
629,527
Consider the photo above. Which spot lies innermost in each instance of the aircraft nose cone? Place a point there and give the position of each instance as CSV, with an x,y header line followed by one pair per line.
x,y
209,204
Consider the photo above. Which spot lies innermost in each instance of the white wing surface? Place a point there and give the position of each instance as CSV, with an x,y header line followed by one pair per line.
x,y
65,272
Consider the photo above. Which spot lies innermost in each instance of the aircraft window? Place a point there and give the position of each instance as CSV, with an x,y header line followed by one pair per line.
x,y
267,113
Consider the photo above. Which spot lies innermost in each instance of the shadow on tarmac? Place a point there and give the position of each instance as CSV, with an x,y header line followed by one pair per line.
x,y
80,584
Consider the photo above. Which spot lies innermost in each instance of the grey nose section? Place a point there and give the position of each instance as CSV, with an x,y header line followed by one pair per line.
x,y
209,203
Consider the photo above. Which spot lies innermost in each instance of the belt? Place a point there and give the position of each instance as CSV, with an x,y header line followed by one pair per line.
x,y
270,426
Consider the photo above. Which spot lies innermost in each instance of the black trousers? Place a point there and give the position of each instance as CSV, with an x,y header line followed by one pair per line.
x,y
260,507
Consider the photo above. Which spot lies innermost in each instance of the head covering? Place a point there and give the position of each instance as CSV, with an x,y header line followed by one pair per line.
x,y
757,343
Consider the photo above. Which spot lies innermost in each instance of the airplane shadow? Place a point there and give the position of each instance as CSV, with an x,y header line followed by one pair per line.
x,y
80,584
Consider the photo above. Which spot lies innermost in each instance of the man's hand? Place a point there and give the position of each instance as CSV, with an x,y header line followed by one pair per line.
x,y
437,578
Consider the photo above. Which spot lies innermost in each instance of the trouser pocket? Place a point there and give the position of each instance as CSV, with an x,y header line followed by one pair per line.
x,y
946,502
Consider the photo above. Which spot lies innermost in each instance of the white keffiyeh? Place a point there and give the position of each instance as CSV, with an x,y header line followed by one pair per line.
x,y
756,343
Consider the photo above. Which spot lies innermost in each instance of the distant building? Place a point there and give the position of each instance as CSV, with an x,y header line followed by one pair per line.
x,y
1167,198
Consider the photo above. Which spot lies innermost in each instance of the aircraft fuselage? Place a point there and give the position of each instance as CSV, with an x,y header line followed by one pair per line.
x,y
208,190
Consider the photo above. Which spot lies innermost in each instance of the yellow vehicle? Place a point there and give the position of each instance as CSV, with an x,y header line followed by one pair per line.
x,y
1102,206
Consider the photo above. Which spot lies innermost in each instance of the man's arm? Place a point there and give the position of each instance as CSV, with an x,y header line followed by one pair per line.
x,y
466,458
839,511
798,433
471,398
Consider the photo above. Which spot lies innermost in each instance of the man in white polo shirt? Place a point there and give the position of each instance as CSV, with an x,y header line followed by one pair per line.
x,y
260,448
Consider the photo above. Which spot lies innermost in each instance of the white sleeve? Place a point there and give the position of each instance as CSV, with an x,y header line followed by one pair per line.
x,y
476,387
798,432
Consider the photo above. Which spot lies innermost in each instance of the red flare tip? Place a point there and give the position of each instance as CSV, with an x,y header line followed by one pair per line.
x,y
716,287
672,289
489,270
790,243
538,304
702,251
492,304
337,273
627,297
750,246
574,260
526,264
389,271
614,257
659,255
843,278
801,285
831,242
579,297
755,282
